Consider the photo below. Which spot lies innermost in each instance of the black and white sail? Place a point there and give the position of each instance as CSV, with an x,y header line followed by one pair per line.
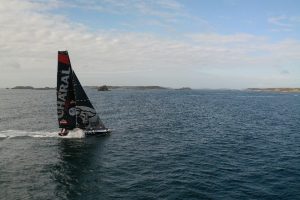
x,y
74,108
86,115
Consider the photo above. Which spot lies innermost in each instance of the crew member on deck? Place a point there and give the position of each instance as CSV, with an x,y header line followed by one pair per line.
x,y
63,132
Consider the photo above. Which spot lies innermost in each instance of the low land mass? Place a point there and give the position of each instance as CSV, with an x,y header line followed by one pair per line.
x,y
23,87
184,88
103,88
274,89
107,88
32,88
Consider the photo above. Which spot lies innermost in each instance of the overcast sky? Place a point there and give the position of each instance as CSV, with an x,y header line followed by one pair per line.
x,y
172,43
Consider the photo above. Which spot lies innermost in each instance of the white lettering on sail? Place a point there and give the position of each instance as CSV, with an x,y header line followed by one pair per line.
x,y
65,71
62,92
64,79
63,88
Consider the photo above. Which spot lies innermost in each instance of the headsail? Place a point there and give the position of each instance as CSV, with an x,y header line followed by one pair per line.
x,y
66,103
87,117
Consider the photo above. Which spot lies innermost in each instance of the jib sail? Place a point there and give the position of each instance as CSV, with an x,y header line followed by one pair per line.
x,y
87,117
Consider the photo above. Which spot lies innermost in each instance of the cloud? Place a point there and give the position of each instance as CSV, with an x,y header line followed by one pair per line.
x,y
284,23
10,65
163,14
163,8
284,72
31,35
214,38
170,4
281,20
151,7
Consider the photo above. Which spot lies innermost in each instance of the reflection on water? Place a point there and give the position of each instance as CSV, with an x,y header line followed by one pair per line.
x,y
78,160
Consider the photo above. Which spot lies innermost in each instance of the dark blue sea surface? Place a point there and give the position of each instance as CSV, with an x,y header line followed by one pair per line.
x,y
165,144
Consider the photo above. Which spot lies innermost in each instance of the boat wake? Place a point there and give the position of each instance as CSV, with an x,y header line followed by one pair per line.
x,y
76,133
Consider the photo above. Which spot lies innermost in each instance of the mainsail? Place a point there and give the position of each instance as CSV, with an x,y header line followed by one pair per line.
x,y
74,109
66,104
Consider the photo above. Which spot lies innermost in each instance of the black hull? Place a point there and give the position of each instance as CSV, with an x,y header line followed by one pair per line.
x,y
100,132
97,132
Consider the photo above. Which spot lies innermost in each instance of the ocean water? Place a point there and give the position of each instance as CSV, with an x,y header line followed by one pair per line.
x,y
197,144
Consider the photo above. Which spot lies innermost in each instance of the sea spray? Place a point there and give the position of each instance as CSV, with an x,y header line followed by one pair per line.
x,y
76,133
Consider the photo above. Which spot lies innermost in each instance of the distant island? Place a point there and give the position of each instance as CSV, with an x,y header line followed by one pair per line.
x,y
103,88
184,88
23,87
108,88
274,89
32,88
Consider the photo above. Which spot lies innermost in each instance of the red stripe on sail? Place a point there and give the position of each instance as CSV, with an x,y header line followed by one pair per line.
x,y
63,58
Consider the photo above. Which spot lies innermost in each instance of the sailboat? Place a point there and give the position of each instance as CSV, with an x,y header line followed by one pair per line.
x,y
74,109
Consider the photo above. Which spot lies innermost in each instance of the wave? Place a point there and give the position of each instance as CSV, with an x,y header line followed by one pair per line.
x,y
76,133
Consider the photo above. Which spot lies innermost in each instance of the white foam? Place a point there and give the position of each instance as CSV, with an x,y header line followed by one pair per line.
x,y
76,133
